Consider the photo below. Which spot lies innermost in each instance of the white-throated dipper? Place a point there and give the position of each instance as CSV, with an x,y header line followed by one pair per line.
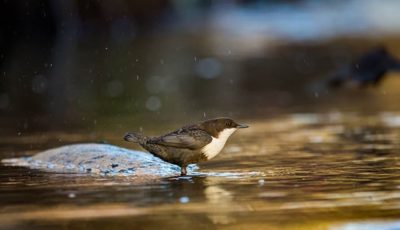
x,y
189,144
368,69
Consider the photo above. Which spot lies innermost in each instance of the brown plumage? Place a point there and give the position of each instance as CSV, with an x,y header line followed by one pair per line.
x,y
189,144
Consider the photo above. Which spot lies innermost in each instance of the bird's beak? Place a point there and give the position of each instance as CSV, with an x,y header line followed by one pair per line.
x,y
242,126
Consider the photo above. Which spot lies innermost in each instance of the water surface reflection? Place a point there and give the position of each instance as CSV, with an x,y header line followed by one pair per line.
x,y
309,171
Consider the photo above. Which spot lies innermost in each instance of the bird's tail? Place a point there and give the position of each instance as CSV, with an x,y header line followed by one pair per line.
x,y
135,137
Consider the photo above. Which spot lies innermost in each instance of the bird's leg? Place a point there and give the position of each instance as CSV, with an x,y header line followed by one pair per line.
x,y
183,170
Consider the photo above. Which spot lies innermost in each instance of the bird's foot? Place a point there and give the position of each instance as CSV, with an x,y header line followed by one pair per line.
x,y
183,171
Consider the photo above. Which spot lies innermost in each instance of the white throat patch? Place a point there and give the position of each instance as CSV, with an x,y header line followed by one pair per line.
x,y
216,145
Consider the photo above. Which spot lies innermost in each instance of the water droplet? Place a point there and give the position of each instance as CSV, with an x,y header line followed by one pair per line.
x,y
71,195
153,103
184,199
208,68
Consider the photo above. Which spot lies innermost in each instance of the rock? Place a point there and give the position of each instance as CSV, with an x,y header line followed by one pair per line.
x,y
100,159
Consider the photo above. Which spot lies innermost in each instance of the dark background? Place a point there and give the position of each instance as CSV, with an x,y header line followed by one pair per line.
x,y
124,65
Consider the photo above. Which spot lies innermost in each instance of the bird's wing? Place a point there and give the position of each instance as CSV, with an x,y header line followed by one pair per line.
x,y
190,139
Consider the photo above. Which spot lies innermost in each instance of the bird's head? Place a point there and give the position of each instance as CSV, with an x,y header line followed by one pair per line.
x,y
220,126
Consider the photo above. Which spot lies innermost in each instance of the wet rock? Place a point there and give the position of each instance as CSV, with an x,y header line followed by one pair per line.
x,y
101,159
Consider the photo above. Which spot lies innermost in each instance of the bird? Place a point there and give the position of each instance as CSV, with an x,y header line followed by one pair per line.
x,y
190,144
368,69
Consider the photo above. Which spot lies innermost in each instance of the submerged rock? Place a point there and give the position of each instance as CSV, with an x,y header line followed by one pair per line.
x,y
101,159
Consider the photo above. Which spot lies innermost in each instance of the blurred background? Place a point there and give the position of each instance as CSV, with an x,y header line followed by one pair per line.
x,y
76,71
127,65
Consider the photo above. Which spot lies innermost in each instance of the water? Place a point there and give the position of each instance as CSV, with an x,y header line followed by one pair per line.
x,y
88,73
303,171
